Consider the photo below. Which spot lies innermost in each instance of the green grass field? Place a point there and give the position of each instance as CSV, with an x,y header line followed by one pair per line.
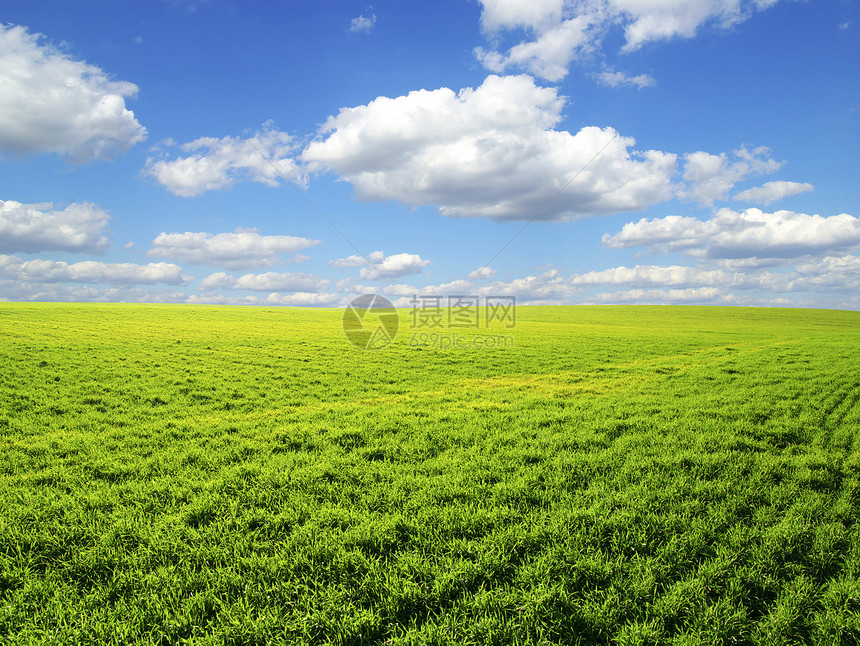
x,y
621,475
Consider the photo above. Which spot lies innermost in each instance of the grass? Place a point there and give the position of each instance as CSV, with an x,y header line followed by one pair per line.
x,y
621,475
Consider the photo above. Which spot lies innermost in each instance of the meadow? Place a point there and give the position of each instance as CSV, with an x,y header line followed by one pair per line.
x,y
615,475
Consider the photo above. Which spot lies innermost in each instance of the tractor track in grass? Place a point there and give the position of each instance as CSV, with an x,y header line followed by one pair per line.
x,y
839,407
844,406
837,404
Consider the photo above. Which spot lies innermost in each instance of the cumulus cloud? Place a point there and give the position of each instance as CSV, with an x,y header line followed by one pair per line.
x,y
53,103
830,273
13,290
548,287
686,296
555,45
71,292
302,299
835,275
642,283
481,273
682,277
242,249
88,271
557,32
488,152
362,24
645,21
507,14
382,266
217,164
620,79
747,234
706,283
460,286
31,228
400,264
711,177
647,275
266,282
662,235
298,299
356,260
773,191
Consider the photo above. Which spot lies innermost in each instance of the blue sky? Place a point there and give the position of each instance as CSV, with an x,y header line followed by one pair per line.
x,y
291,153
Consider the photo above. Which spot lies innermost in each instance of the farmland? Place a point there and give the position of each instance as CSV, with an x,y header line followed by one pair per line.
x,y
629,475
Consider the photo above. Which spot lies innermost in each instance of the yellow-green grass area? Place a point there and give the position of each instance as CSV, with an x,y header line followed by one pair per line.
x,y
613,475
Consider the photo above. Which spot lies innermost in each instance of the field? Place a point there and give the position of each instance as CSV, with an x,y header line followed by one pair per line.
x,y
619,475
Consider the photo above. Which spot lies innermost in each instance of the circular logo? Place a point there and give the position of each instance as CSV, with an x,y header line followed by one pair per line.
x,y
370,322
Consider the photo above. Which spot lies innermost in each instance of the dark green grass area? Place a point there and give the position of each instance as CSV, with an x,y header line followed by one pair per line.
x,y
620,475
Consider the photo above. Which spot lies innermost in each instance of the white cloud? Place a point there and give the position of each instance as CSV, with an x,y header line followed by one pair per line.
x,y
648,275
712,177
460,286
14,290
400,264
773,191
835,275
507,14
481,273
217,164
382,266
660,234
557,32
221,299
302,299
241,249
620,79
548,287
219,280
266,282
52,103
488,152
298,299
356,260
88,271
748,234
363,24
831,273
642,283
678,276
645,21
689,295
551,52
834,280
59,292
833,265
30,228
